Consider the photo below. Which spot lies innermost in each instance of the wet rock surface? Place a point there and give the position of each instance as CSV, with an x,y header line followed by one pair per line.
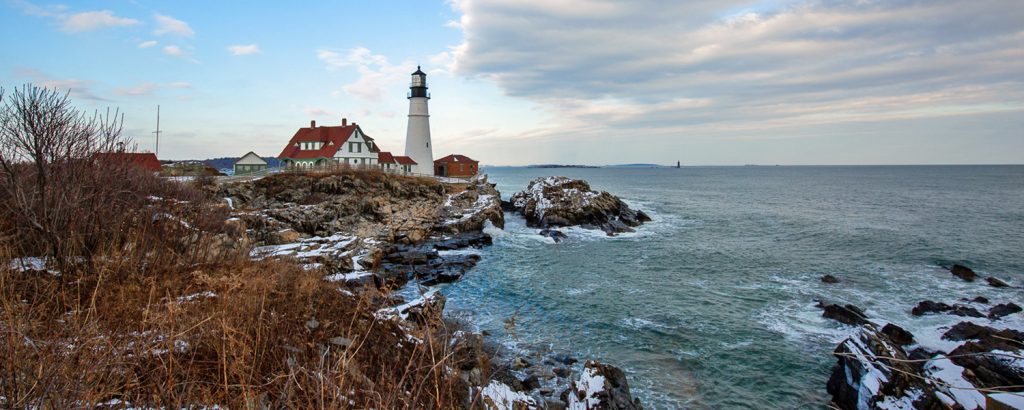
x,y
930,307
963,272
897,334
555,235
560,201
996,282
600,386
1003,309
848,314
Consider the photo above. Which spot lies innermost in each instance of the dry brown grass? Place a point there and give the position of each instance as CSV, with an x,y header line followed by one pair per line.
x,y
125,329
140,340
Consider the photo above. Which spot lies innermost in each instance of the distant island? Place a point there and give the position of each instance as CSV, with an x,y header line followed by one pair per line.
x,y
635,166
561,166
596,166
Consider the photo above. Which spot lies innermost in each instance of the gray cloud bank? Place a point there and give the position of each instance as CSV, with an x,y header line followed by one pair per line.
x,y
686,73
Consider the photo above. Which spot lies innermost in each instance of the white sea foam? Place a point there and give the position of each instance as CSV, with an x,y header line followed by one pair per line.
x,y
642,324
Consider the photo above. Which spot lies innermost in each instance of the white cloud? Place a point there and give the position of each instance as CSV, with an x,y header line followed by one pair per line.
x,y
75,87
172,26
75,22
148,44
137,90
319,112
687,69
376,73
244,50
93,20
37,11
147,88
175,51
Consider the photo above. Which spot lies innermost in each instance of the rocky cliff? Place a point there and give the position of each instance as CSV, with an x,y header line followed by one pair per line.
x,y
364,226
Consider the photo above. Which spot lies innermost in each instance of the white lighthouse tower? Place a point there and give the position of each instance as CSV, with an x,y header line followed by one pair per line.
x,y
417,135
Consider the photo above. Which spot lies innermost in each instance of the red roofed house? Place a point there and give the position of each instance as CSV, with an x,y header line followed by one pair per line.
x,y
143,160
456,165
319,146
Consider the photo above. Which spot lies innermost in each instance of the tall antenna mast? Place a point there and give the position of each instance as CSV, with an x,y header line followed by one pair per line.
x,y
157,132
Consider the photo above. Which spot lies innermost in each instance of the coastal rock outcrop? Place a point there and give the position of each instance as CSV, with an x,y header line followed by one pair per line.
x,y
963,272
600,386
928,306
1003,309
560,201
848,314
554,234
473,208
996,282
958,366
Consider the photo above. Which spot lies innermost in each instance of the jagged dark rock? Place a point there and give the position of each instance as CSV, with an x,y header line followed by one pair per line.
x,y
848,314
978,299
996,282
560,201
967,330
829,279
961,310
963,272
556,235
928,306
998,311
465,240
898,334
985,355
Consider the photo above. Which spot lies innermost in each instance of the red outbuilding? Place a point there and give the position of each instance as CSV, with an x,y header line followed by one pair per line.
x,y
143,160
456,165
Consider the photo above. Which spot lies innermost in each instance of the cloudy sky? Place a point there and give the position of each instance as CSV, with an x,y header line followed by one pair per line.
x,y
549,81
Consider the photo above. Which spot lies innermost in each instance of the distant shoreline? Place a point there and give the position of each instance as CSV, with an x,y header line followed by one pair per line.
x,y
752,166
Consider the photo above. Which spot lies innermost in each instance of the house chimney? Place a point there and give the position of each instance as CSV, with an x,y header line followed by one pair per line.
x,y
344,122
312,123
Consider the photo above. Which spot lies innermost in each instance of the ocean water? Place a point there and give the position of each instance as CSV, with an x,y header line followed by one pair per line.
x,y
712,304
